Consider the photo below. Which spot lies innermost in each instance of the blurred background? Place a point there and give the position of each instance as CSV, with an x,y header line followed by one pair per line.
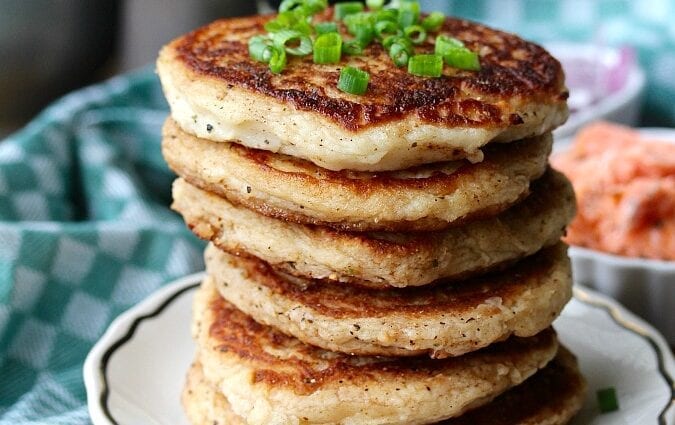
x,y
52,47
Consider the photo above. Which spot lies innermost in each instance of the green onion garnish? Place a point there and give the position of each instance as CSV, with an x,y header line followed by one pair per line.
x,y
361,26
456,54
386,15
325,27
346,8
352,47
462,59
328,48
278,59
293,41
292,19
400,53
308,7
415,33
408,13
385,28
260,48
434,21
607,400
374,4
426,65
353,80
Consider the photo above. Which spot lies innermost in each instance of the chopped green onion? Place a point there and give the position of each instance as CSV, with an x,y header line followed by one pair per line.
x,y
463,59
294,42
346,8
607,400
400,53
328,48
361,26
408,13
287,5
278,59
307,7
352,47
374,4
426,65
456,54
260,48
325,27
434,21
416,34
444,44
353,80
292,20
386,15
385,28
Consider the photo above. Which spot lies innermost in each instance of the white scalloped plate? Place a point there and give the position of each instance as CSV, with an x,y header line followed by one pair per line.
x,y
135,373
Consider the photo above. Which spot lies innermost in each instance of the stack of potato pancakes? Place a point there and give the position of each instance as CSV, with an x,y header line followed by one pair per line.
x,y
386,258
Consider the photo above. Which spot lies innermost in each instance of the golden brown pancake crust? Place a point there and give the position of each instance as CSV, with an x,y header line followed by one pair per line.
x,y
310,368
512,71
552,396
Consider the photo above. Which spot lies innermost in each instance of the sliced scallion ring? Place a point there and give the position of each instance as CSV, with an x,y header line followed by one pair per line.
x,y
260,48
278,59
294,42
386,28
328,48
408,13
353,80
415,33
352,47
325,27
433,21
444,44
346,8
426,65
399,53
374,4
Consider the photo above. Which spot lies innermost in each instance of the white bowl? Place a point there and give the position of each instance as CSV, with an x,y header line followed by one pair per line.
x,y
646,287
621,106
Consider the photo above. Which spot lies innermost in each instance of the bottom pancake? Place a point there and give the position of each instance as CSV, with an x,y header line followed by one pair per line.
x,y
441,320
270,378
551,397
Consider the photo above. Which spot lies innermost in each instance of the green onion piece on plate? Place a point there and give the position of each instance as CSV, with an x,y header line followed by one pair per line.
x,y
278,59
374,4
325,27
408,13
433,21
293,41
387,15
346,8
260,48
607,400
426,65
287,5
353,80
328,48
416,34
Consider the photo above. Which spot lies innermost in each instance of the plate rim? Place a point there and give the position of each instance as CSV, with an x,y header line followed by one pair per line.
x,y
123,328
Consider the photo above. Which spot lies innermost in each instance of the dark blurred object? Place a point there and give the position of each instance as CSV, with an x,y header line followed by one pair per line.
x,y
48,48
149,24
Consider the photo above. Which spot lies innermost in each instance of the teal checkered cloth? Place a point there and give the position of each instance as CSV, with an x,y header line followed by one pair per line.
x,y
85,233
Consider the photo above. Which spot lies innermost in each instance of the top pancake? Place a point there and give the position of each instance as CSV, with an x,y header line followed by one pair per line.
x,y
216,91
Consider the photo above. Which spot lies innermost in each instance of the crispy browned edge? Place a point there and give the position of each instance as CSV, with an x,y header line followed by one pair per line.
x,y
513,72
